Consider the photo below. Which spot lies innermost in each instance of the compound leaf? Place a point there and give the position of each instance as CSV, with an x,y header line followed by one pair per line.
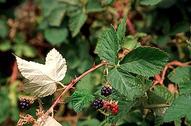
x,y
145,61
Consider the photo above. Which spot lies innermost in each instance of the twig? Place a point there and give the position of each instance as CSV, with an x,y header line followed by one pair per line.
x,y
159,79
130,26
14,73
72,83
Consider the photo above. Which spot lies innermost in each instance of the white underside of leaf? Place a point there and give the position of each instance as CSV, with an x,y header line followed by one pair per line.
x,y
42,78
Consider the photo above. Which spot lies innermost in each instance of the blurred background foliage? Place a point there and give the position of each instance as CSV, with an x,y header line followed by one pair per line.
x,y
30,28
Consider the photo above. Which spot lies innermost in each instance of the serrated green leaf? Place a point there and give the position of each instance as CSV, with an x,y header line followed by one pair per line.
x,y
160,94
180,75
108,46
128,85
81,99
145,61
56,36
185,88
121,30
150,2
180,108
76,21
56,16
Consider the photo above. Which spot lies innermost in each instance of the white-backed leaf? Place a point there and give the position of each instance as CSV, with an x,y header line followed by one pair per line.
x,y
42,78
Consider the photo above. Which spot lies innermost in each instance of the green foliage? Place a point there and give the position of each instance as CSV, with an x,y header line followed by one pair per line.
x,y
8,104
128,85
89,122
81,99
56,16
180,75
86,83
24,49
180,108
130,42
94,6
5,46
5,105
76,29
160,94
3,28
121,30
77,19
180,27
108,46
150,2
56,36
145,61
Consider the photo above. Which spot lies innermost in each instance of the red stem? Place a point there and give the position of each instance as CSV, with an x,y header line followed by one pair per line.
x,y
71,84
130,26
159,79
14,72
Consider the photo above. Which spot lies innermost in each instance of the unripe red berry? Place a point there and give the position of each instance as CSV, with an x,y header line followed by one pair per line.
x,y
115,109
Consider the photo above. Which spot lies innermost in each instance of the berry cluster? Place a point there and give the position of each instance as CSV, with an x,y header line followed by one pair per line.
x,y
106,105
106,90
97,104
24,104
111,106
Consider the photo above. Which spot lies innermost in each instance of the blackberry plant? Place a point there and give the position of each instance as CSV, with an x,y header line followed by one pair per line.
x,y
138,56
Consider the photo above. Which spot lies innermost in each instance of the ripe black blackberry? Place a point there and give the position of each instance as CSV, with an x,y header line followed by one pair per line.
x,y
24,104
106,90
97,104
